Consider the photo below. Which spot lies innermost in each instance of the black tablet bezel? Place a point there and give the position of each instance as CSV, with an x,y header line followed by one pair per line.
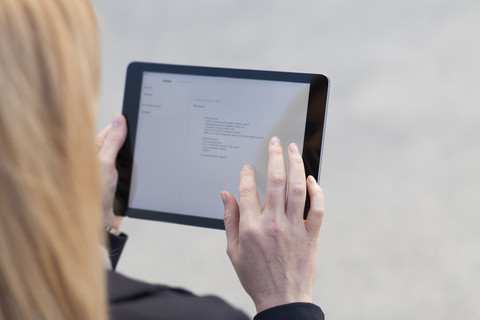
x,y
315,124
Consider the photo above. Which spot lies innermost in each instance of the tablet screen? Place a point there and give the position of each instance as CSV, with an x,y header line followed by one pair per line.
x,y
194,132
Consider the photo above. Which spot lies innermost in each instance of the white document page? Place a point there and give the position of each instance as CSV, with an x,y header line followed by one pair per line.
x,y
194,134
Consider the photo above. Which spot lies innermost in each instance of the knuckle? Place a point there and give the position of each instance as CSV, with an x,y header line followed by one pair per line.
x,y
313,244
246,190
297,189
317,208
115,139
251,233
277,179
296,160
276,151
227,218
105,160
276,230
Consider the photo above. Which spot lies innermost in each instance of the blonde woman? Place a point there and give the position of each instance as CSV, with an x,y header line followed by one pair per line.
x,y
53,201
50,262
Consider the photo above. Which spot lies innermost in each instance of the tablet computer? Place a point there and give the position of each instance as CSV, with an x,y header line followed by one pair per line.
x,y
191,129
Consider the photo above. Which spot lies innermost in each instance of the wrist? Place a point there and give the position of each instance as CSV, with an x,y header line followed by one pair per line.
x,y
112,221
112,230
275,300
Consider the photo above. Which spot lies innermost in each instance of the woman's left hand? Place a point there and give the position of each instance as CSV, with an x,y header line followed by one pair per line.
x,y
108,143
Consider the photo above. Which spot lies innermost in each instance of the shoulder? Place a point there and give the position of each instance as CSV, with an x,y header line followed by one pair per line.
x,y
132,299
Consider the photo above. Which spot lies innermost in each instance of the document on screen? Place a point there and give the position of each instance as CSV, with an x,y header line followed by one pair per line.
x,y
194,133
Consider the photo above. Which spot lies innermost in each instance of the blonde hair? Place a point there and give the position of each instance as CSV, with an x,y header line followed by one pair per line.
x,y
50,228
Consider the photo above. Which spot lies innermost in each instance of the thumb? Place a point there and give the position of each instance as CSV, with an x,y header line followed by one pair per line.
x,y
231,220
114,139
317,208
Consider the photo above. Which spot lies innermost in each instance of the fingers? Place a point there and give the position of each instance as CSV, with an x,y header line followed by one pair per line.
x,y
296,184
317,207
100,138
113,139
276,177
247,192
231,220
292,204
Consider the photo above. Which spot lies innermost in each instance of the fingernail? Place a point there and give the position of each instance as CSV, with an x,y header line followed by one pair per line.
x,y
293,147
224,198
275,141
311,179
117,120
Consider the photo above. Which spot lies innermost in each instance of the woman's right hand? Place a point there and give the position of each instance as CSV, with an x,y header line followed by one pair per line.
x,y
273,249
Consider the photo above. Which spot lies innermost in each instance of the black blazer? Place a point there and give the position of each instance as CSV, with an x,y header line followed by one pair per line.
x,y
136,300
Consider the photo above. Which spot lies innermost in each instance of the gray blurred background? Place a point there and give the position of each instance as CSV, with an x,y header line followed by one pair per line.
x,y
401,173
